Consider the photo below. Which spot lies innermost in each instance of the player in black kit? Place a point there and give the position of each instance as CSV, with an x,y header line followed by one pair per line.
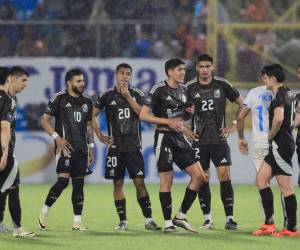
x,y
278,162
168,102
297,123
13,81
74,142
122,106
209,94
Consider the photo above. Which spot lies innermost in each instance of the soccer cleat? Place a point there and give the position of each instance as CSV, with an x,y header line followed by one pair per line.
x,y
20,233
207,225
42,221
4,228
285,232
122,226
265,230
151,225
184,224
171,229
231,225
78,226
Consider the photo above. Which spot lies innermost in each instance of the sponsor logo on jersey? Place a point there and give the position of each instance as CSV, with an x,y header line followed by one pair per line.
x,y
197,95
68,105
140,173
85,107
113,103
169,98
217,93
224,160
265,98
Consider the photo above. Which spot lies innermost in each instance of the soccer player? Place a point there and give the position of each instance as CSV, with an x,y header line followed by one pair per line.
x,y
74,142
258,102
13,81
168,102
278,162
209,93
297,122
122,106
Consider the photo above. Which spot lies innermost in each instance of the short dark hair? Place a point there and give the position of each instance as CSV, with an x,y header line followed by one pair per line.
x,y
172,64
205,57
4,73
124,66
275,70
18,71
71,73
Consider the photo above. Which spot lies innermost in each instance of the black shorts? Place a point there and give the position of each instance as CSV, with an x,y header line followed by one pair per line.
x,y
118,162
280,159
172,146
10,176
75,164
219,154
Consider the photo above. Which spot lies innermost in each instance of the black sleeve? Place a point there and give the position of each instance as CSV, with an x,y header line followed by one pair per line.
x,y
140,96
152,98
297,98
6,110
52,106
280,99
231,92
90,111
100,101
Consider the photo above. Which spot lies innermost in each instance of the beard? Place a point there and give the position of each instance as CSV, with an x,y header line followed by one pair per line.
x,y
77,90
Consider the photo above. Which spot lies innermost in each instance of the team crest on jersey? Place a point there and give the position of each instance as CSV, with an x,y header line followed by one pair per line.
x,y
217,93
85,107
67,162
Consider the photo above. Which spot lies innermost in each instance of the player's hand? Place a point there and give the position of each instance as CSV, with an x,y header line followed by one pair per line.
x,y
3,162
125,91
176,125
63,146
190,135
243,146
107,140
228,130
91,156
191,109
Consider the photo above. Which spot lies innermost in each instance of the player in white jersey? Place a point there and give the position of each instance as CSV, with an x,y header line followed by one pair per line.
x,y
258,102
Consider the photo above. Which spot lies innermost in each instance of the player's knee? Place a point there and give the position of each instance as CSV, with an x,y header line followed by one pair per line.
x,y
287,190
197,179
62,182
260,183
140,185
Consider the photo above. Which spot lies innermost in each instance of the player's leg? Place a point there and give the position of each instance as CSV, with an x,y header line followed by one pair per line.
x,y
165,197
222,160
184,158
53,194
3,197
285,183
263,178
202,154
15,212
120,204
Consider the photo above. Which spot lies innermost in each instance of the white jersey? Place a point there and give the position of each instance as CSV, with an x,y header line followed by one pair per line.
x,y
258,100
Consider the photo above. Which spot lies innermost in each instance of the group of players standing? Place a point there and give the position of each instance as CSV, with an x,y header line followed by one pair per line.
x,y
190,131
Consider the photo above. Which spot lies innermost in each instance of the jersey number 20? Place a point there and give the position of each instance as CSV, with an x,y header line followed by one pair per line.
x,y
124,113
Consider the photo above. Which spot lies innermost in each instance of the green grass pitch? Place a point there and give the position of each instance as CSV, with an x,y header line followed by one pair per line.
x,y
100,216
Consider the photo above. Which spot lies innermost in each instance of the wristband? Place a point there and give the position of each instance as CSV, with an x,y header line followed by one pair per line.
x,y
234,122
54,135
91,145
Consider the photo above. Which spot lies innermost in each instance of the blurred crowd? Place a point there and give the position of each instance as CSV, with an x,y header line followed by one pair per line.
x,y
144,29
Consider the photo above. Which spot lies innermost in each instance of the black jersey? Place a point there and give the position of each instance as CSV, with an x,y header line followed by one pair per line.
x,y
283,98
210,108
123,122
297,102
8,113
71,116
168,102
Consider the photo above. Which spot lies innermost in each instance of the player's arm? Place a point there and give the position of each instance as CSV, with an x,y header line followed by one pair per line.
x,y
297,116
62,144
90,135
243,145
102,137
127,96
147,116
5,135
277,122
